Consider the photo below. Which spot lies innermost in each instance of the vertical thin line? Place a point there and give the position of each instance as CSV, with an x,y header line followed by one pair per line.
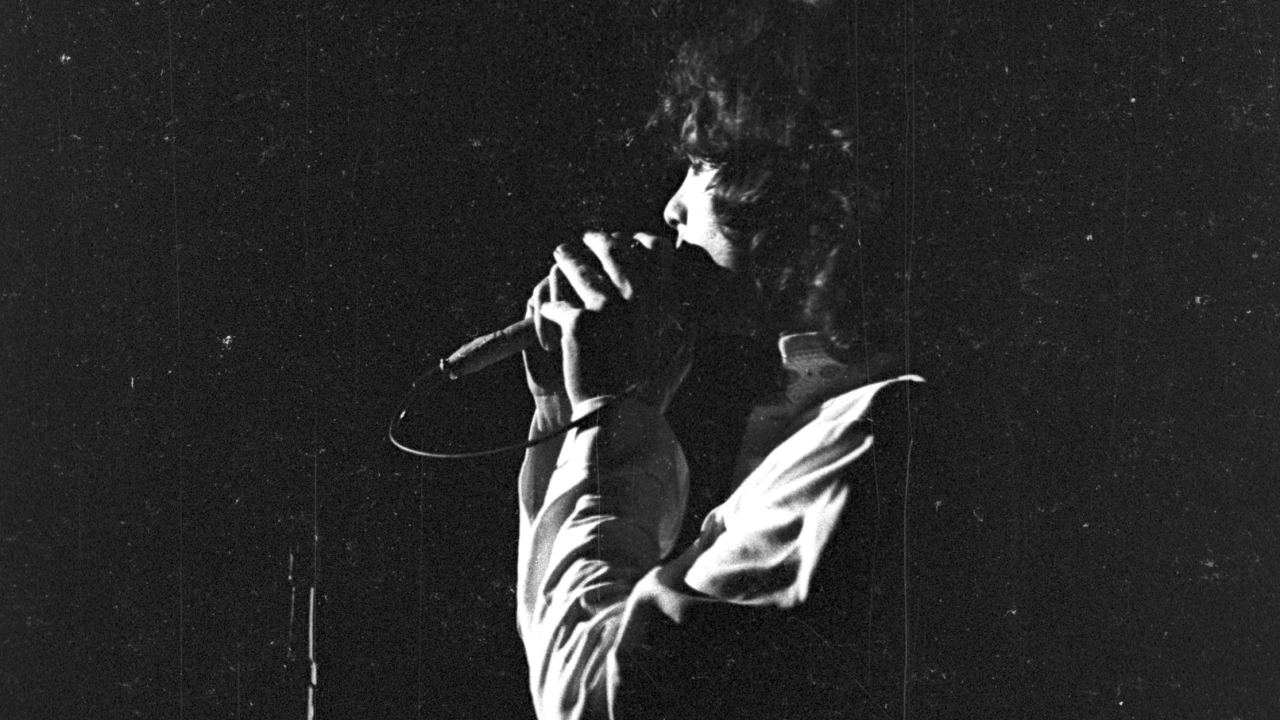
x,y
422,544
873,555
315,410
170,135
909,152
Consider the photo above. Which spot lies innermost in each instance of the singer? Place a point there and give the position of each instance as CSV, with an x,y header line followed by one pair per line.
x,y
758,614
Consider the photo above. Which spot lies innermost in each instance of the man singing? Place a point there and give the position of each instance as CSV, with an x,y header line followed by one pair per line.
x,y
750,619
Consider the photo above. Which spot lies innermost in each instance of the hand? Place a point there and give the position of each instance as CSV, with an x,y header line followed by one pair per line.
x,y
607,307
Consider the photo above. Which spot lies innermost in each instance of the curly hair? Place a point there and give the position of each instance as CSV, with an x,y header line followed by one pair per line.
x,y
761,92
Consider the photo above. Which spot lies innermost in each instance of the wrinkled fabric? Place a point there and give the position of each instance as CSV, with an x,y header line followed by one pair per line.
x,y
601,511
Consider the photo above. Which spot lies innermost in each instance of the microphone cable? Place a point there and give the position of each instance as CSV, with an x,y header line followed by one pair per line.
x,y
438,373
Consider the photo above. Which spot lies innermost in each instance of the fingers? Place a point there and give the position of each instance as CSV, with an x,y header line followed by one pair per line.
x,y
621,258
604,268
563,314
562,303
603,308
556,297
541,296
586,276
554,305
609,266
561,289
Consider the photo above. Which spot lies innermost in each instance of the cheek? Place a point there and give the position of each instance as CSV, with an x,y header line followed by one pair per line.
x,y
705,231
723,251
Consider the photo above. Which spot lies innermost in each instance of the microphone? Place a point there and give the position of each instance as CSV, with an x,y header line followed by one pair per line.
x,y
489,349
694,275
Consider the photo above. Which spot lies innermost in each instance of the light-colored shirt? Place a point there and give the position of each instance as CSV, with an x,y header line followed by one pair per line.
x,y
601,509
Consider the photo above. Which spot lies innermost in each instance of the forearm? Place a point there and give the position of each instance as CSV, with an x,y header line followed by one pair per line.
x,y
551,413
610,511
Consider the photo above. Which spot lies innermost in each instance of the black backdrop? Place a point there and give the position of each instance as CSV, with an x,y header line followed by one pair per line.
x,y
233,233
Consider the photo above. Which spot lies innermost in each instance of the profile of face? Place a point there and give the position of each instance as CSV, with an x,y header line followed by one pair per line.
x,y
691,212
719,283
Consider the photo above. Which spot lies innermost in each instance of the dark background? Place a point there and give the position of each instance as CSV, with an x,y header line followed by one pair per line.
x,y
233,233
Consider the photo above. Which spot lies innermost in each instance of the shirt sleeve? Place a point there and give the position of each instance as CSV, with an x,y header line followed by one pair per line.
x,y
595,531
607,513
551,413
758,550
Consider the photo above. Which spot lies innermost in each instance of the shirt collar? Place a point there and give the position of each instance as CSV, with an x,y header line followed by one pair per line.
x,y
809,353
813,370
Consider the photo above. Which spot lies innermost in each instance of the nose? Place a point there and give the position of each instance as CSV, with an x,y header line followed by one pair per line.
x,y
674,213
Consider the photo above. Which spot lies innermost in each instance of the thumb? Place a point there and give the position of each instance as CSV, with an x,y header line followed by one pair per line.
x,y
561,313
